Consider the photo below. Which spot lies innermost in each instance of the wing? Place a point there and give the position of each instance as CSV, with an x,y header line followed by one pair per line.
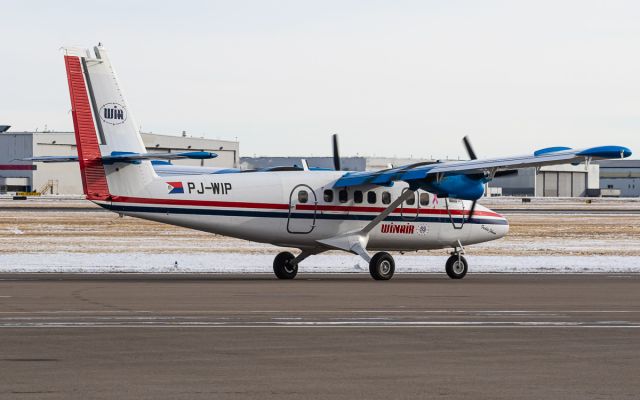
x,y
479,171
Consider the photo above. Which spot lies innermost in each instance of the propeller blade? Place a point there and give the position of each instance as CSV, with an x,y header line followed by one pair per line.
x,y
336,153
472,210
467,145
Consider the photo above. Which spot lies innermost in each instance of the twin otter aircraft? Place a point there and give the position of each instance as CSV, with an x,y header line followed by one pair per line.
x,y
420,206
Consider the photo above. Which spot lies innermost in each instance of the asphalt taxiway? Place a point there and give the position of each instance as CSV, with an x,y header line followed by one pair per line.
x,y
495,336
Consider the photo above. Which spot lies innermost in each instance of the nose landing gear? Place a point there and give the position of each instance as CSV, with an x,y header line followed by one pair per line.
x,y
457,266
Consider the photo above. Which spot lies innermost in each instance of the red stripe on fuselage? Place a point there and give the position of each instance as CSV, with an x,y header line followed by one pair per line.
x,y
302,207
199,203
408,211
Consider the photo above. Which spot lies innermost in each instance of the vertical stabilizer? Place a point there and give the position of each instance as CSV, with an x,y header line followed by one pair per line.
x,y
103,125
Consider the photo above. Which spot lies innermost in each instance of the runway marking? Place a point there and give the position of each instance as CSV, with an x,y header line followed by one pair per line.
x,y
547,312
422,326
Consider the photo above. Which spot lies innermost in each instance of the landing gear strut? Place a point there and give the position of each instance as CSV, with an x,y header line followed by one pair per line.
x,y
457,265
382,266
284,266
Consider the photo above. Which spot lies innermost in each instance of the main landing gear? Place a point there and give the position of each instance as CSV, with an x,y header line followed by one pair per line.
x,y
285,265
382,266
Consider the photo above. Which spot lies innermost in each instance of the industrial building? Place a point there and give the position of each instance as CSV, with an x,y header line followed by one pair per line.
x,y
64,178
551,181
347,163
620,177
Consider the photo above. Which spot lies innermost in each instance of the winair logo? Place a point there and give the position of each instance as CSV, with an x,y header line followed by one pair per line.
x,y
407,229
113,113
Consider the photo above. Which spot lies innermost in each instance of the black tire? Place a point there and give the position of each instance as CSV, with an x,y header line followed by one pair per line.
x,y
283,266
456,270
382,266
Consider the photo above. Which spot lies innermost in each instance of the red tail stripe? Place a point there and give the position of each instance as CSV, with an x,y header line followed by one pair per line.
x,y
94,180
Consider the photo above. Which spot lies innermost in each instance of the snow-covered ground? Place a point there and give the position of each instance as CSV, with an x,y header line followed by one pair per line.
x,y
48,236
333,263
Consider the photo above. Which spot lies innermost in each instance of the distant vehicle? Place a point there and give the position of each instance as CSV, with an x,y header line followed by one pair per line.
x,y
419,206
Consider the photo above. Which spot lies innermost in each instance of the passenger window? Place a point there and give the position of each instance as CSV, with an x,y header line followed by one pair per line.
x,y
411,200
303,196
386,197
371,197
328,196
343,196
357,196
424,199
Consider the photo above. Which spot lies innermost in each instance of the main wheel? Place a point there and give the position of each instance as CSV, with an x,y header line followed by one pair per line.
x,y
283,266
382,266
456,268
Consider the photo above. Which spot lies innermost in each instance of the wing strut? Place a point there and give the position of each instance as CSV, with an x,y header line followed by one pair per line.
x,y
356,241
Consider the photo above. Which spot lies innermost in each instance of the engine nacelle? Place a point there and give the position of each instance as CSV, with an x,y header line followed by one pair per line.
x,y
460,187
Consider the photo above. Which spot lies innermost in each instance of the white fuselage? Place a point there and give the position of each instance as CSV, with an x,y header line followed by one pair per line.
x,y
298,208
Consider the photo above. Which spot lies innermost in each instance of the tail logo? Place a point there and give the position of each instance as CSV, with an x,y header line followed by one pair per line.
x,y
113,113
175,187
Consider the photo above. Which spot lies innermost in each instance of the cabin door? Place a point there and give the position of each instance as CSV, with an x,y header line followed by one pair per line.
x,y
303,205
410,209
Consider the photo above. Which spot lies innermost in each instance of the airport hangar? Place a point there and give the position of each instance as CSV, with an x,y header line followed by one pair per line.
x,y
64,178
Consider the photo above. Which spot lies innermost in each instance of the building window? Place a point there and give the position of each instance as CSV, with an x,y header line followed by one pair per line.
x,y
424,199
343,196
371,197
386,197
357,196
328,196
609,186
303,196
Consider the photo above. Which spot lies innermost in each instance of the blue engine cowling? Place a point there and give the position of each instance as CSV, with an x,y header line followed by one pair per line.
x,y
456,186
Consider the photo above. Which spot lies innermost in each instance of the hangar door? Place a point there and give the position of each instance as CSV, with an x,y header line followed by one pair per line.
x,y
562,184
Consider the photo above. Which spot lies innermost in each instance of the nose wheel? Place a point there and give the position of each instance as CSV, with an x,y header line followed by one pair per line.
x,y
456,267
382,266
284,266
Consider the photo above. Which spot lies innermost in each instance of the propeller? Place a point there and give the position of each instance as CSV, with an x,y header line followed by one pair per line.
x,y
472,156
467,145
336,153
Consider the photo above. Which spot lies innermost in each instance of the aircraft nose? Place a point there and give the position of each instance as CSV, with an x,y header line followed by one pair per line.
x,y
497,224
503,229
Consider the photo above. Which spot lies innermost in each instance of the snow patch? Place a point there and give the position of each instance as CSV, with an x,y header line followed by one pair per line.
x,y
329,263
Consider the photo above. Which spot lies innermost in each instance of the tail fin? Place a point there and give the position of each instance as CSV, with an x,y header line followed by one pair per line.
x,y
103,125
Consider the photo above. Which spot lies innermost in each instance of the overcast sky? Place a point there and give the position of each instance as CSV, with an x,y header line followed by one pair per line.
x,y
393,78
